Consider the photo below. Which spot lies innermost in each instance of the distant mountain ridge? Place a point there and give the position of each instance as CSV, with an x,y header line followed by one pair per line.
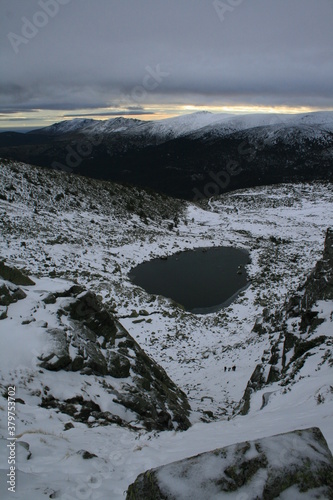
x,y
201,122
191,156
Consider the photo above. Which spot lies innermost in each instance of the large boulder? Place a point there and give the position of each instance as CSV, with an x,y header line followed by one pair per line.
x,y
294,465
56,354
9,294
10,273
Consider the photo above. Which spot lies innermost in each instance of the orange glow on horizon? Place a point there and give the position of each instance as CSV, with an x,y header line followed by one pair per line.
x,y
41,118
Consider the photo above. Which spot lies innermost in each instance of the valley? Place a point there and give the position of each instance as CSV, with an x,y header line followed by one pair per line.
x,y
65,230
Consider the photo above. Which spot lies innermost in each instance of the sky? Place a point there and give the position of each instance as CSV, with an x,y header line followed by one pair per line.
x,y
152,59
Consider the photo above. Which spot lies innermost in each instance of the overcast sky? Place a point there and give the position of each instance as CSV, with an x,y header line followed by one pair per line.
x,y
152,58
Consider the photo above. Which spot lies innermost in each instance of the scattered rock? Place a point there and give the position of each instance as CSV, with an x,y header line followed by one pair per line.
x,y
294,344
28,321
50,299
10,294
68,425
86,455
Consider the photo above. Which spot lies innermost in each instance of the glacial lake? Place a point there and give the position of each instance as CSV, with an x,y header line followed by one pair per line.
x,y
202,280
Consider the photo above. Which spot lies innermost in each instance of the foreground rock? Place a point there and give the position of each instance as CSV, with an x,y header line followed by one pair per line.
x,y
289,466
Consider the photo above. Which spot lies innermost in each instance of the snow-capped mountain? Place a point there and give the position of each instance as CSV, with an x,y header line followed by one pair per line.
x,y
172,128
169,128
66,127
88,126
78,400
112,126
182,156
199,124
314,124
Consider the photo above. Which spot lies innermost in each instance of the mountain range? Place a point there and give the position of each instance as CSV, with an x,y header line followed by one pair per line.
x,y
192,156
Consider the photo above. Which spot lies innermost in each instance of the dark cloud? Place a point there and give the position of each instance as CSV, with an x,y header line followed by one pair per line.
x,y
81,55
17,119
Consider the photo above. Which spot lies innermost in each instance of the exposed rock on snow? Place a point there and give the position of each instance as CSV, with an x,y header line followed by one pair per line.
x,y
14,275
319,285
287,466
9,292
298,321
89,340
64,230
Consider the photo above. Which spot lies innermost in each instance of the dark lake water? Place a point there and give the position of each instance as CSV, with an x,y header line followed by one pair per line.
x,y
202,280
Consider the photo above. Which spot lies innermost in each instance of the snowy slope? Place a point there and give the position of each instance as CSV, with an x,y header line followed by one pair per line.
x,y
89,126
66,127
171,128
76,229
313,124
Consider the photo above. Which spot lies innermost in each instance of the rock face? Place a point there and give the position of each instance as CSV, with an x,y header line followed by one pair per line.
x,y
294,465
319,285
96,344
87,339
295,343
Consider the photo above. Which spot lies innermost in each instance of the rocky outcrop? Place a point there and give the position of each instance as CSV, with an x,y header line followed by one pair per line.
x,y
57,355
255,383
319,285
14,275
293,345
89,340
297,464
302,306
96,344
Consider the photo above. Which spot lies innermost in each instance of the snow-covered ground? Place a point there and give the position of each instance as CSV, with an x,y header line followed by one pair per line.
x,y
283,228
